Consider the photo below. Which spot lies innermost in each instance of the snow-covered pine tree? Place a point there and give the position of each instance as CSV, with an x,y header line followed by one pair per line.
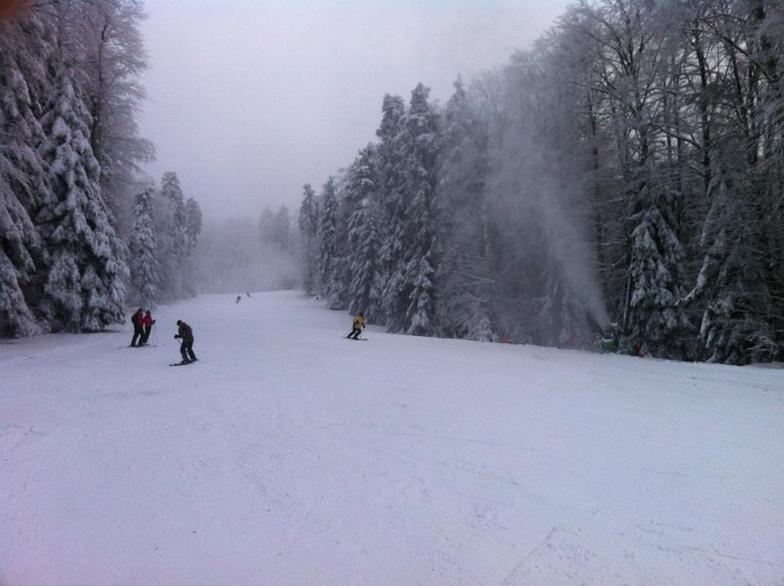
x,y
24,188
143,262
267,226
173,240
390,187
465,274
86,278
193,225
171,191
18,243
655,318
308,228
420,145
328,243
363,236
341,269
282,228
25,44
731,283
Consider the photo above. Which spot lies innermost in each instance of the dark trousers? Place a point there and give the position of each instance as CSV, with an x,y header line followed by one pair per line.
x,y
146,334
354,333
186,349
138,334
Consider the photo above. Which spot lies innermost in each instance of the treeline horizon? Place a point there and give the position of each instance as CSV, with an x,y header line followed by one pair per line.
x,y
624,175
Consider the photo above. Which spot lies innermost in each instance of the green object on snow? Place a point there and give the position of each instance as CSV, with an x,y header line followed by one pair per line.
x,y
608,345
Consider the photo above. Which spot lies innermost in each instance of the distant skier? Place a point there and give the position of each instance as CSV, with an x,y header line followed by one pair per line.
x,y
247,293
147,323
185,333
239,298
138,332
359,325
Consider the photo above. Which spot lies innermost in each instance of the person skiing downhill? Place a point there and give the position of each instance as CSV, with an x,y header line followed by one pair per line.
x,y
185,333
147,322
138,332
359,325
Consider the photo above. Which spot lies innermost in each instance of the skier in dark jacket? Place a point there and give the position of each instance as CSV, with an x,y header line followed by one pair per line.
x,y
147,322
138,332
185,333
359,324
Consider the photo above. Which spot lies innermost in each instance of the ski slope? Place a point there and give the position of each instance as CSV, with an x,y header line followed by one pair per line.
x,y
288,455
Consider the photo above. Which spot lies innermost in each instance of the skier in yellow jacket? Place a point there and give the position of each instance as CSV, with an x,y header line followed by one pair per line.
x,y
359,325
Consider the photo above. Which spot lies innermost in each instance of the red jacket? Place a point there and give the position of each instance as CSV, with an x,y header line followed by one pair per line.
x,y
147,320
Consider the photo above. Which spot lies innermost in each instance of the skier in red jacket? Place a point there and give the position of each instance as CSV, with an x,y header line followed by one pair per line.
x,y
147,322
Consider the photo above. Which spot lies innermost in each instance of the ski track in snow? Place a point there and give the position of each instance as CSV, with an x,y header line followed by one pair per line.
x,y
285,456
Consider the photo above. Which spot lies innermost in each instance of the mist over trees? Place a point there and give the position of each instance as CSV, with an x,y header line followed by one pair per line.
x,y
627,170
238,255
82,231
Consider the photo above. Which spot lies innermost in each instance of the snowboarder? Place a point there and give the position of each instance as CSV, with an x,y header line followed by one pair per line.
x,y
138,332
185,333
147,322
359,325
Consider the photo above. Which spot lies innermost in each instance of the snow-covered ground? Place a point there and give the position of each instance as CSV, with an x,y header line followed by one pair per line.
x,y
288,455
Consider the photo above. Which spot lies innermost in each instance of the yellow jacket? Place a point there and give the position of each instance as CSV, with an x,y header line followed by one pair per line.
x,y
359,322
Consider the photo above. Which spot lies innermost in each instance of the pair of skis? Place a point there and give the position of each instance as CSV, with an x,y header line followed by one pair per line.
x,y
183,363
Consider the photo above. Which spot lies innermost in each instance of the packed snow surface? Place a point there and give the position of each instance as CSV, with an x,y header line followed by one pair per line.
x,y
289,455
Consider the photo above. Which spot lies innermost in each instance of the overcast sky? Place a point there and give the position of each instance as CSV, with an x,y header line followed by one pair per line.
x,y
250,99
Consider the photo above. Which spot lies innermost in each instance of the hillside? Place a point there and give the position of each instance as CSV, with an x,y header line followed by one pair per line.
x,y
289,455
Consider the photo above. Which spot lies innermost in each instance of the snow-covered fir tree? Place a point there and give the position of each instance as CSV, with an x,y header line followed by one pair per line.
x,y
731,283
267,226
282,231
420,257
308,228
193,224
24,183
364,242
172,192
328,251
465,273
143,262
18,243
174,245
656,319
390,185
341,266
87,274
275,227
